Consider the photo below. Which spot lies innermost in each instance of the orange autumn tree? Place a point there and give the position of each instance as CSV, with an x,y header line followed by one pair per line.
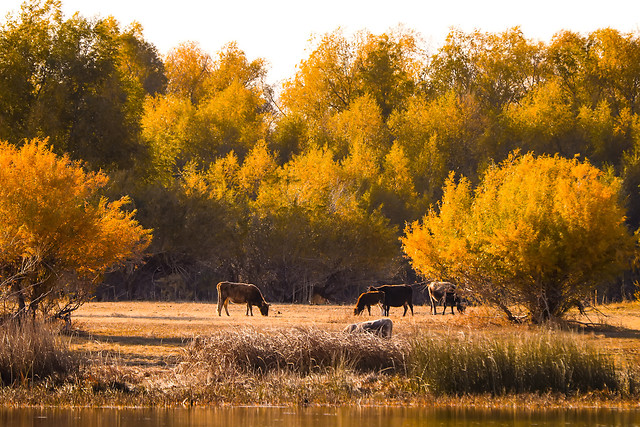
x,y
539,233
57,235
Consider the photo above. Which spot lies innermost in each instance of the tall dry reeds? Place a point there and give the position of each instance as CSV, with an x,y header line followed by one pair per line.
x,y
31,350
452,364
544,361
299,350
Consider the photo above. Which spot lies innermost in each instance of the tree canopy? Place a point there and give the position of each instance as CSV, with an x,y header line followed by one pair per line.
x,y
539,232
308,185
57,235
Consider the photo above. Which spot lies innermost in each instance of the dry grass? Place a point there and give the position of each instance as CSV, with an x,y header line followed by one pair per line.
x,y
142,353
31,351
300,350
148,332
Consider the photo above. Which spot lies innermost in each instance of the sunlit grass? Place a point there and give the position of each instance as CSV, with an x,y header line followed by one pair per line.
x,y
301,350
147,354
545,361
32,350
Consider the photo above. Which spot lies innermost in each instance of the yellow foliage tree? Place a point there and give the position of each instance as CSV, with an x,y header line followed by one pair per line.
x,y
538,233
57,235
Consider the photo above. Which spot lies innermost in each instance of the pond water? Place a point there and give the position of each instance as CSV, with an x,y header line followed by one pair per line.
x,y
314,417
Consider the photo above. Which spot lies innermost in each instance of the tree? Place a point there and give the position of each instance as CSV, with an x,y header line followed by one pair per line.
x,y
538,233
188,67
496,68
80,83
57,235
310,229
212,107
384,67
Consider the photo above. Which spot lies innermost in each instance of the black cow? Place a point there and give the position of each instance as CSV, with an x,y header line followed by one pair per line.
x,y
395,296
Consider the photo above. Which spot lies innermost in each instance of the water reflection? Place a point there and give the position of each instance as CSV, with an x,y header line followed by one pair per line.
x,y
313,417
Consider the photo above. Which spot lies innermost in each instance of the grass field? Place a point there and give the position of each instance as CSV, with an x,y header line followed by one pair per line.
x,y
182,353
154,333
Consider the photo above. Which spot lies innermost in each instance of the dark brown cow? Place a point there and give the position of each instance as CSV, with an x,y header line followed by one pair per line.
x,y
367,299
241,293
444,293
395,296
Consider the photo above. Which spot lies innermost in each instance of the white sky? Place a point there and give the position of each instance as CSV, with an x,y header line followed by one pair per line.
x,y
279,30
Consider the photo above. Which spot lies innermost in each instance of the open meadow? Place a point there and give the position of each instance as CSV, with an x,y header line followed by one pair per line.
x,y
151,333
134,346
138,354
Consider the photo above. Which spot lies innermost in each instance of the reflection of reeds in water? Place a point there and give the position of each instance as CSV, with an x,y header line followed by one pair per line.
x,y
301,350
31,350
536,362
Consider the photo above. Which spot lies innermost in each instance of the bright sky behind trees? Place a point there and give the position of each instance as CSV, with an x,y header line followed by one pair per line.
x,y
279,30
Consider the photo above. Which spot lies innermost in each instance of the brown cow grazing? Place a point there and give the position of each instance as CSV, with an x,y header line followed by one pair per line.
x,y
367,299
395,296
445,293
380,327
241,293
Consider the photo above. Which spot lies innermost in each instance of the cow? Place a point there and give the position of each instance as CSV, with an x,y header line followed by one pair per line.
x,y
445,293
380,327
240,293
395,296
367,299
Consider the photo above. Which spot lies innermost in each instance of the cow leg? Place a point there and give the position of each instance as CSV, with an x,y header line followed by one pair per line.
x,y
220,304
411,307
226,306
249,309
369,309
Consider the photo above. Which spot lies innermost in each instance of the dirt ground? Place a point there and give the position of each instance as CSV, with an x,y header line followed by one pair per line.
x,y
153,334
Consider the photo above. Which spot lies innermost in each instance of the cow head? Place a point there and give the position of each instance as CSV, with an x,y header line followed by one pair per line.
x,y
264,309
461,306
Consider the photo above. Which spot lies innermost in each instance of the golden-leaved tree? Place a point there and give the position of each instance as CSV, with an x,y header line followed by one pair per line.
x,y
538,233
57,235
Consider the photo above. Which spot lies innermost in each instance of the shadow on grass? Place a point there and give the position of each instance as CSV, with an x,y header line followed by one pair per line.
x,y
608,331
136,351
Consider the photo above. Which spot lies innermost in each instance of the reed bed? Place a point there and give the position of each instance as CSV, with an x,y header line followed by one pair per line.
x,y
541,362
302,350
32,350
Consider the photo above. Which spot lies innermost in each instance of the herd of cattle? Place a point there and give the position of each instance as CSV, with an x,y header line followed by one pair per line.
x,y
386,296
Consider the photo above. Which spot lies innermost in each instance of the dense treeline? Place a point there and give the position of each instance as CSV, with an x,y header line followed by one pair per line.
x,y
308,186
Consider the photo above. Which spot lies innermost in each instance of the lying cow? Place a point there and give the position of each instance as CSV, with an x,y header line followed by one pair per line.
x,y
395,296
367,299
444,293
241,293
380,327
